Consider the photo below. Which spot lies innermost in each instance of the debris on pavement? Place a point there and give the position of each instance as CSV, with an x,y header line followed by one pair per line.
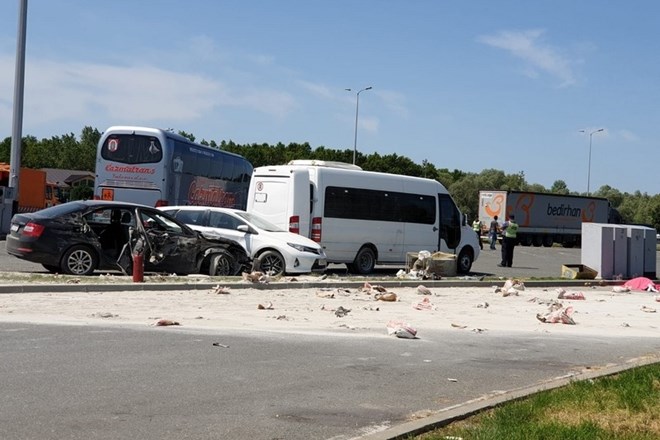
x,y
424,304
557,313
620,289
648,309
571,295
165,322
217,344
482,305
387,296
220,290
267,306
461,326
401,329
256,277
642,283
423,290
341,312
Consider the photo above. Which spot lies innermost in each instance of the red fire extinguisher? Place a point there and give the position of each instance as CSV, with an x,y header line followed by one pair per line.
x,y
138,267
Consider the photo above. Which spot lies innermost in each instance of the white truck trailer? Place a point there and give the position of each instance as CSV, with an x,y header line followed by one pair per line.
x,y
543,218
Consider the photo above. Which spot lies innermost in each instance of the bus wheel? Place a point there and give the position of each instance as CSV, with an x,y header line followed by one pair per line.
x,y
364,262
79,260
465,259
272,263
222,264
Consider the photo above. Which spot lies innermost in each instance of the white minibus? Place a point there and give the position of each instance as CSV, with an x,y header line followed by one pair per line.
x,y
362,218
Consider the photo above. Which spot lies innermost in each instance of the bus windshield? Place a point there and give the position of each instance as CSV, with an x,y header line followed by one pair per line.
x,y
132,149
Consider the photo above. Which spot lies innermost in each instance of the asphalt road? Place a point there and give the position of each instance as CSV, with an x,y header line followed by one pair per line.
x,y
154,383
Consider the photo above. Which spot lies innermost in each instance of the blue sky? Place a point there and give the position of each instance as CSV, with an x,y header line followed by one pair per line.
x,y
466,85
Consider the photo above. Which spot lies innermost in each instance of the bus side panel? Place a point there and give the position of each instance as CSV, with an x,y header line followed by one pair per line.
x,y
277,196
423,235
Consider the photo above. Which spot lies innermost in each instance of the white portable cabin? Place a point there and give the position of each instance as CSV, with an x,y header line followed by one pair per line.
x,y
361,217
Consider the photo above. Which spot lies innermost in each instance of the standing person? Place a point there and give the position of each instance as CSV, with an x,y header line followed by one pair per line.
x,y
510,232
492,232
476,226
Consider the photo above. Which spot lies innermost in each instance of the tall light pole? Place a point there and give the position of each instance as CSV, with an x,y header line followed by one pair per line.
x,y
589,169
357,108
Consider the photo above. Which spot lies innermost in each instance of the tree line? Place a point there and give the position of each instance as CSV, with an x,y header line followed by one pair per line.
x,y
79,153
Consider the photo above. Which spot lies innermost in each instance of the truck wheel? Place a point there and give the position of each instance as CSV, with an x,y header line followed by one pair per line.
x,y
79,260
537,241
272,263
465,259
222,264
548,241
364,262
525,240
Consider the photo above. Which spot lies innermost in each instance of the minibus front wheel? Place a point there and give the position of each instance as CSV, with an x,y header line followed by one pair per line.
x,y
465,260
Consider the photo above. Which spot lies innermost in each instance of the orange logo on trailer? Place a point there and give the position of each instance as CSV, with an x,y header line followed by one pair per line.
x,y
524,204
496,209
589,213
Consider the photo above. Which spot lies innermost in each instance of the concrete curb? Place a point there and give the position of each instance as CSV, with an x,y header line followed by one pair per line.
x,y
467,409
204,285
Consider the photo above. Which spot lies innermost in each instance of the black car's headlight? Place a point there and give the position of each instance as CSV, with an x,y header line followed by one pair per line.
x,y
302,248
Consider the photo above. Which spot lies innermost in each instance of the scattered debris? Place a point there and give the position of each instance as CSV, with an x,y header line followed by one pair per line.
x,y
451,379
388,296
479,330
482,305
401,329
369,288
423,290
625,324
104,315
217,344
282,318
256,277
220,290
341,312
73,281
267,306
571,295
458,325
648,309
325,292
165,322
620,289
642,283
557,313
424,304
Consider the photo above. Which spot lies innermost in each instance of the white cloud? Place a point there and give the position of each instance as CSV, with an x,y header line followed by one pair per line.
x,y
628,135
538,56
60,90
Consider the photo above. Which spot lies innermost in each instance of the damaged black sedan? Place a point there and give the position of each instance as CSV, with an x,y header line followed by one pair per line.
x,y
81,237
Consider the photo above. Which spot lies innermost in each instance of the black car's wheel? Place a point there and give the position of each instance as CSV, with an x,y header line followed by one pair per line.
x,y
465,260
51,268
272,263
79,260
222,264
364,262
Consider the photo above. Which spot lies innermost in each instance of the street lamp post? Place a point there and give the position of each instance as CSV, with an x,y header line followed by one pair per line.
x,y
589,169
357,108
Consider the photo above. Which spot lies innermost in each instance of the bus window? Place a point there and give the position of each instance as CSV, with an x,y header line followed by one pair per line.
x,y
132,149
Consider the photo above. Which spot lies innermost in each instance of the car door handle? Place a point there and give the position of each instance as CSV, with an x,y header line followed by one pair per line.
x,y
435,228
